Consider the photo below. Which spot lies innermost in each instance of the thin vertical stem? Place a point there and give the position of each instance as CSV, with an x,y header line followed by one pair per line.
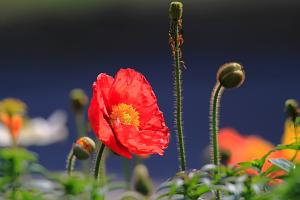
x,y
70,162
127,172
214,114
178,89
97,168
80,124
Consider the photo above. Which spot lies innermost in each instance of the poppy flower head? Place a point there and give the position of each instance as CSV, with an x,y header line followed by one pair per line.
x,y
125,116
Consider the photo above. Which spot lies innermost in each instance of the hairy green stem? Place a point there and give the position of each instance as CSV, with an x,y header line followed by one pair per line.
x,y
70,162
178,89
214,114
98,167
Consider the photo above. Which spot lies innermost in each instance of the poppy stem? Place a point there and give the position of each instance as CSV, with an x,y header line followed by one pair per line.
x,y
175,43
98,166
214,125
70,162
178,84
214,113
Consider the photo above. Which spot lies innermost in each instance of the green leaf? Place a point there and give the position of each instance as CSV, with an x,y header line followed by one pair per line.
x,y
293,146
283,164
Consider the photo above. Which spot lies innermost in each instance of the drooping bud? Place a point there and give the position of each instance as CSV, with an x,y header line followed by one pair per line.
x,y
291,108
142,181
79,100
83,148
175,10
231,75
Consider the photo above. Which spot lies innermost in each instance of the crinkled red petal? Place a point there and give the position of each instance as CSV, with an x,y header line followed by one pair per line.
x,y
142,142
97,114
131,87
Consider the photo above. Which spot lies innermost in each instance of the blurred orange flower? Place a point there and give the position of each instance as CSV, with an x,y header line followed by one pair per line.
x,y
13,123
291,135
245,148
12,112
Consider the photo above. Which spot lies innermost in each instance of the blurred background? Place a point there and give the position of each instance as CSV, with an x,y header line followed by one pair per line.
x,y
49,47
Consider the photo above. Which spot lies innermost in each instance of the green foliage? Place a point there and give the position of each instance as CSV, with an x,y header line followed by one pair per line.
x,y
14,163
257,164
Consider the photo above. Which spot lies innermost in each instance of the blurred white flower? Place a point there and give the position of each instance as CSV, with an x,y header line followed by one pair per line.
x,y
39,131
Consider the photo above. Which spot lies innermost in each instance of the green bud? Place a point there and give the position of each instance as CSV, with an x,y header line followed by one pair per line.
x,y
291,108
83,148
142,181
231,75
175,10
78,100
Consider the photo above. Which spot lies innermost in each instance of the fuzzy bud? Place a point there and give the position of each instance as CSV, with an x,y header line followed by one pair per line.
x,y
142,181
175,10
83,148
78,100
231,75
291,108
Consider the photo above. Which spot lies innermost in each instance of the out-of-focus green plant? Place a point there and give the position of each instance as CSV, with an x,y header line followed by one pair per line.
x,y
14,164
80,186
232,182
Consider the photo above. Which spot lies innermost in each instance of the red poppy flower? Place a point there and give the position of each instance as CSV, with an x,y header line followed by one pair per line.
x,y
125,116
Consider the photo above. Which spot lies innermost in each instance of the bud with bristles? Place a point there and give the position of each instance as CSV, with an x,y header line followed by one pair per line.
x,y
231,75
78,100
83,148
175,10
142,181
291,108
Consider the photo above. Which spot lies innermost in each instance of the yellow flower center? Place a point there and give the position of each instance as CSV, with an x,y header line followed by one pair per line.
x,y
126,113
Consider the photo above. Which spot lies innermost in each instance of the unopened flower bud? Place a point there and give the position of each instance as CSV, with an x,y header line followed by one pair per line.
x,y
78,100
231,75
175,10
142,181
83,148
291,108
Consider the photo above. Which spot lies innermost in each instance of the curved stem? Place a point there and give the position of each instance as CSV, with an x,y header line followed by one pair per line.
x,y
178,90
214,114
98,161
70,162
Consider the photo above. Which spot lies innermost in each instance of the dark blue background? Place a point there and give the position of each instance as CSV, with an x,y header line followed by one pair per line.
x,y
43,57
